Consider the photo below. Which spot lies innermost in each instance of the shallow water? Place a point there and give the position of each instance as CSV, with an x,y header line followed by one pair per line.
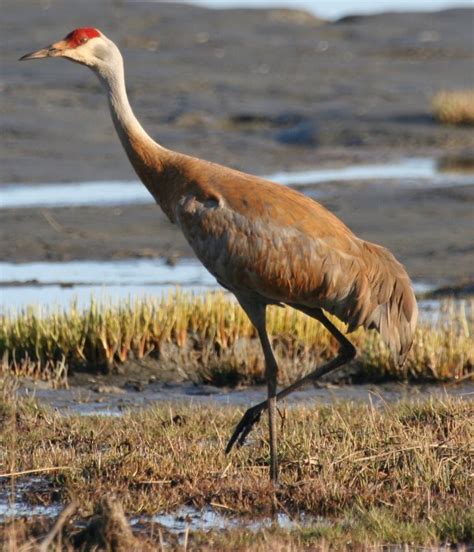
x,y
408,170
14,502
59,285
84,401
50,297
207,519
186,272
420,172
104,193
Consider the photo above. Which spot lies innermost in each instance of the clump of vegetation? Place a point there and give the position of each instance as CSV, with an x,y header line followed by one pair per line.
x,y
397,474
210,338
460,163
454,107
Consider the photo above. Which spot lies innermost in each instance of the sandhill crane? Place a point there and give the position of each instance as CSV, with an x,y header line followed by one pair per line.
x,y
266,243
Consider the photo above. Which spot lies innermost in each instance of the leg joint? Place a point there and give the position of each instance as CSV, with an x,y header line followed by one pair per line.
x,y
348,351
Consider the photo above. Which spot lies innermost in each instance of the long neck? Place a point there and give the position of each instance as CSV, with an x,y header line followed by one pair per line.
x,y
146,156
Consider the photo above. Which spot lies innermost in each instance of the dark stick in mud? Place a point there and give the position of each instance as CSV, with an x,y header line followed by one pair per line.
x,y
63,518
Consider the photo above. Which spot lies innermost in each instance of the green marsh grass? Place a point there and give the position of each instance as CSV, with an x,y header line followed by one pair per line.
x,y
401,473
210,339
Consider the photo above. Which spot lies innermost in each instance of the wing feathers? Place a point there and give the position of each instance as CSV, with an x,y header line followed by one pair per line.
x,y
359,282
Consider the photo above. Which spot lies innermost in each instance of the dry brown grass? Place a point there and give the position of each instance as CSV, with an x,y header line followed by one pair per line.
x,y
209,338
398,474
454,107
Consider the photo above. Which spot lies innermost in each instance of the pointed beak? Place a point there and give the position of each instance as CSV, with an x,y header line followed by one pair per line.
x,y
55,50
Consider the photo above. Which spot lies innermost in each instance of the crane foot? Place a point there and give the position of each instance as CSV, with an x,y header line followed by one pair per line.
x,y
244,427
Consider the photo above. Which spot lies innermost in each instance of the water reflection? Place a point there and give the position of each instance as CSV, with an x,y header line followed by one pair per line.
x,y
58,284
14,502
423,170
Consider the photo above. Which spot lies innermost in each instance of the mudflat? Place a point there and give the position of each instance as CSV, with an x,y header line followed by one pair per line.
x,y
429,231
259,90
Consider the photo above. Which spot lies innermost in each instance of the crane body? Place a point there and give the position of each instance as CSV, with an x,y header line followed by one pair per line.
x,y
266,243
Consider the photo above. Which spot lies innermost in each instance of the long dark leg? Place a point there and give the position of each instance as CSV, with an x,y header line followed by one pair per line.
x,y
271,372
347,352
256,312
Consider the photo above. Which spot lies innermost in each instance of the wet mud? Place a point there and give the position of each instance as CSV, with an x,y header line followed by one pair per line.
x,y
261,90
111,395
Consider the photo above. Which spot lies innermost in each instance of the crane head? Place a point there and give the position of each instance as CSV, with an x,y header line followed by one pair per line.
x,y
86,45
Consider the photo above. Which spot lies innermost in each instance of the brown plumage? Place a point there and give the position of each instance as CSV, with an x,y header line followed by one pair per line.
x,y
266,243
255,235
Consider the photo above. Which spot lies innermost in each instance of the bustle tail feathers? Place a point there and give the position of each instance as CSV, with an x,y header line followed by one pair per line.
x,y
392,311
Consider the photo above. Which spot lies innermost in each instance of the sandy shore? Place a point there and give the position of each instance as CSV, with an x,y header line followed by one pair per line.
x,y
262,91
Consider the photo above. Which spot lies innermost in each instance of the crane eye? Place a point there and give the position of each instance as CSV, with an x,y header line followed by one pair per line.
x,y
84,39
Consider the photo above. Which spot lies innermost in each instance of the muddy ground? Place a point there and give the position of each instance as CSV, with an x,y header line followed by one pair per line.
x,y
113,394
261,90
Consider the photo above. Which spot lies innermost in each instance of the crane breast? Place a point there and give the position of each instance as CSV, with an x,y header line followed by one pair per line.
x,y
278,262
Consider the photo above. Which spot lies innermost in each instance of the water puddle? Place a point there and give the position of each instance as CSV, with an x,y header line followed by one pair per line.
x,y
420,172
25,509
208,519
58,284
99,194
186,272
86,402
412,169
130,272
14,501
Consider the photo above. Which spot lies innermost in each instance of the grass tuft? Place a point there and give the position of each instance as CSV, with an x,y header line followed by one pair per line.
x,y
454,107
210,339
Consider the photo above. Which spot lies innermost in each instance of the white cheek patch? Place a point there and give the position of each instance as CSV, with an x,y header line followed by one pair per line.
x,y
88,53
